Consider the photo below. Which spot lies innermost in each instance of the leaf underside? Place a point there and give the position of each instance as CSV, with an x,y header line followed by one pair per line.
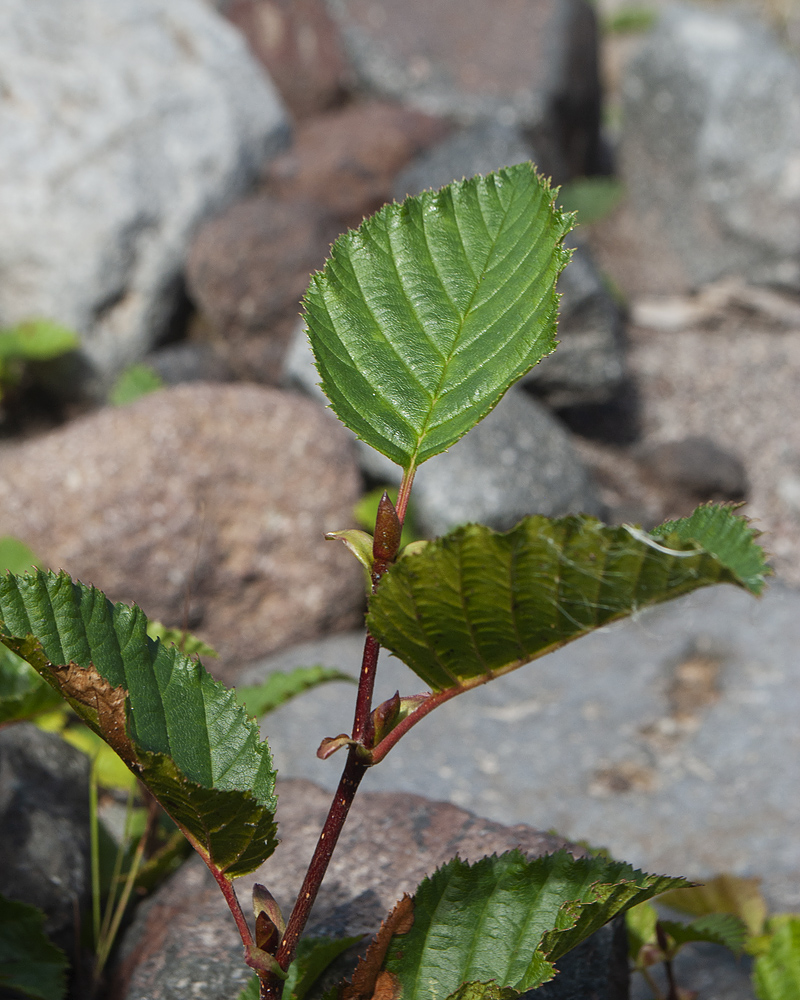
x,y
715,928
23,693
426,314
502,922
180,731
479,603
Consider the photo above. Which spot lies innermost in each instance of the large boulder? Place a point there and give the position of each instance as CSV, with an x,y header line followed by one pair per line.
x,y
44,828
531,64
121,127
184,944
710,148
206,501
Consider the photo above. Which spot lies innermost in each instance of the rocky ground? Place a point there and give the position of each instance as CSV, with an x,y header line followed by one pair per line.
x,y
264,129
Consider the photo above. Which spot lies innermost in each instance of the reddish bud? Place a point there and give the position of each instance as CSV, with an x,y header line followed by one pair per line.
x,y
385,717
387,531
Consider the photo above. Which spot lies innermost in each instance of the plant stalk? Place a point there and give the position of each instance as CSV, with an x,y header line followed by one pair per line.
x,y
386,544
354,771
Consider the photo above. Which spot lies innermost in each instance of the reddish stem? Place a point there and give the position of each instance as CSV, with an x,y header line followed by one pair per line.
x,y
233,905
385,547
404,493
363,728
354,771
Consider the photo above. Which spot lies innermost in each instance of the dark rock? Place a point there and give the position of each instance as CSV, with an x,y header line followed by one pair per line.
x,y
534,65
44,827
298,43
711,145
347,160
518,460
698,466
596,970
211,498
247,270
164,117
184,943
589,365
616,420
188,362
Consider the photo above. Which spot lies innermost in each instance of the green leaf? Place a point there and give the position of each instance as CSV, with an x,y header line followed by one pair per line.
x,y
716,928
314,955
23,693
36,340
135,381
506,920
251,990
426,314
726,536
640,922
478,603
185,641
29,962
629,20
723,894
776,975
591,198
180,731
281,687
15,556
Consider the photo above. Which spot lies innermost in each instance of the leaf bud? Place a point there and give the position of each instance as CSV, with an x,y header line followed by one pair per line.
x,y
387,531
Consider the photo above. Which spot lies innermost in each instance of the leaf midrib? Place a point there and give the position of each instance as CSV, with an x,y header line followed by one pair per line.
x,y
438,393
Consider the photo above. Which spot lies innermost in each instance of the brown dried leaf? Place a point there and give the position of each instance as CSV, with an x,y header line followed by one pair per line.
x,y
369,981
86,687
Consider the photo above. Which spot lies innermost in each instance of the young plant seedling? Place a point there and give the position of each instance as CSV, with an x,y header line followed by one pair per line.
x,y
420,321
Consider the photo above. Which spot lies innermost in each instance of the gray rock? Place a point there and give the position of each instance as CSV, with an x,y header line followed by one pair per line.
x,y
183,943
517,461
676,766
710,148
121,127
534,65
44,827
589,365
